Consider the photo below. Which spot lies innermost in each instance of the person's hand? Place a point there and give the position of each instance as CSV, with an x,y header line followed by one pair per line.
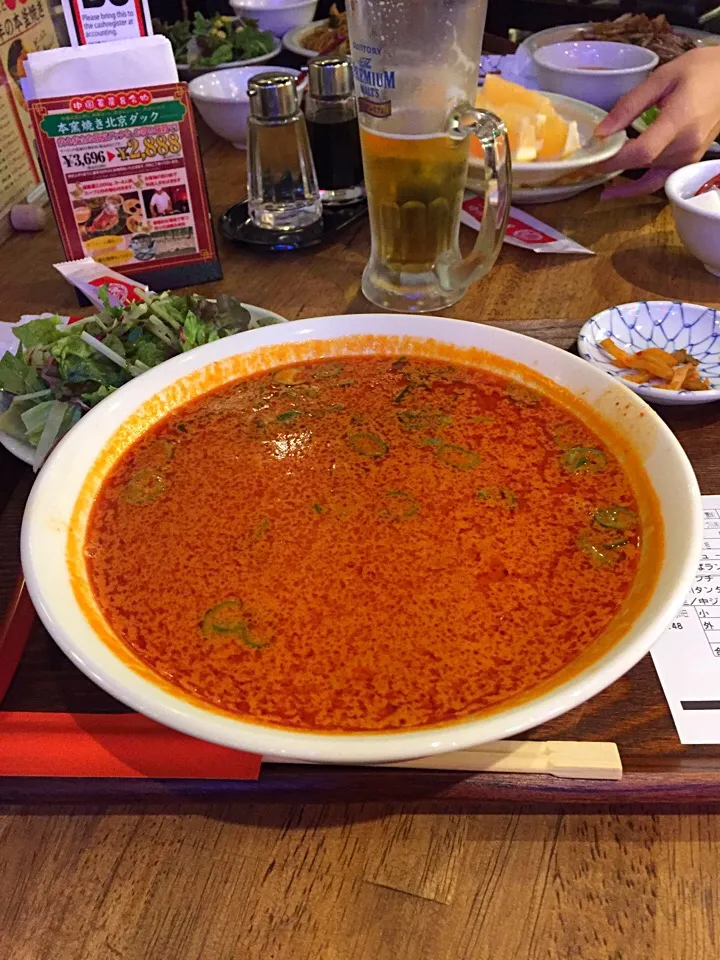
x,y
688,92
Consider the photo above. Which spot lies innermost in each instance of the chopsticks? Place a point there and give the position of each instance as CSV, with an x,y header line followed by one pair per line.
x,y
571,759
14,630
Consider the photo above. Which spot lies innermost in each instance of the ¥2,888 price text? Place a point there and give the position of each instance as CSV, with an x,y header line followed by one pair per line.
x,y
159,146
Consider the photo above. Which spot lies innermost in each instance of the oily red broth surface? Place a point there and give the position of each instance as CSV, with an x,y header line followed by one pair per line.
x,y
363,544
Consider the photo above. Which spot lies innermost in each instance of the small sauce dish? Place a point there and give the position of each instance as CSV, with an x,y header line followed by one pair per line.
x,y
596,71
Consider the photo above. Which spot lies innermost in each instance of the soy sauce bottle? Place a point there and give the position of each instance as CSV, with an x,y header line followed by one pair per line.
x,y
331,115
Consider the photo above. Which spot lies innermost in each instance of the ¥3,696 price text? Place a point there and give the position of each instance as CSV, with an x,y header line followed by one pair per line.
x,y
159,146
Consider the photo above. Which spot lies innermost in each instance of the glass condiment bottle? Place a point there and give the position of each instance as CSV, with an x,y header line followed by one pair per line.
x,y
283,193
331,114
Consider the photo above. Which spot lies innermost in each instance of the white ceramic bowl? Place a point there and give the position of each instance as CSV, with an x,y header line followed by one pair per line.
x,y
541,173
222,100
52,524
277,16
666,324
699,229
596,71
188,73
293,39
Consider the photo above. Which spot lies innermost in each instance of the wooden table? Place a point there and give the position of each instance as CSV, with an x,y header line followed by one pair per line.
x,y
436,880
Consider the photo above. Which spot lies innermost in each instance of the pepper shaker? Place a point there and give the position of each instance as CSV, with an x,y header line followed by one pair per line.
x,y
331,114
283,193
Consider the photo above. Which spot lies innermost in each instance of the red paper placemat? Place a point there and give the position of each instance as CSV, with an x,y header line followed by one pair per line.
x,y
112,745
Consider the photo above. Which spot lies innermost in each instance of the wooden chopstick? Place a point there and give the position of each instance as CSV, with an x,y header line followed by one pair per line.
x,y
572,759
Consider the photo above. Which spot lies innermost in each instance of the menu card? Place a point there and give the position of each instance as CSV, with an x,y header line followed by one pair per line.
x,y
687,656
124,175
25,26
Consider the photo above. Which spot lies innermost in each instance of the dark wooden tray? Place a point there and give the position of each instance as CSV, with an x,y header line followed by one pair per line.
x,y
632,712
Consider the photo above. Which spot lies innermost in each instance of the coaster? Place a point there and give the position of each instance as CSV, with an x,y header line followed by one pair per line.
x,y
236,226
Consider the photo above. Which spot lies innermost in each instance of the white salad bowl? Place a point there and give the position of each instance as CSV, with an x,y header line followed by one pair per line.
x,y
596,71
277,16
222,100
571,169
58,509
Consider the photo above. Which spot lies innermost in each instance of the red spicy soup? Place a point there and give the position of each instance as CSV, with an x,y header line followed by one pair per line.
x,y
364,544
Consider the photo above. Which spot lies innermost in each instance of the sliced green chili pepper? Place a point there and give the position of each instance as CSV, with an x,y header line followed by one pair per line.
x,y
498,495
328,370
522,394
144,487
589,459
261,530
289,415
460,458
368,445
616,518
225,620
399,505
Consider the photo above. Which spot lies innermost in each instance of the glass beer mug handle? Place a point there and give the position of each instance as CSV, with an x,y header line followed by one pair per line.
x,y
492,134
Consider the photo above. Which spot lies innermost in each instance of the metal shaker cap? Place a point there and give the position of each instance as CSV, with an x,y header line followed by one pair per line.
x,y
330,76
273,95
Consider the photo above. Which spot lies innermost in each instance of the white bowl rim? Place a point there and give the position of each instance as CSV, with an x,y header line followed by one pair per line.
x,y
91,434
190,69
653,60
197,94
678,178
266,7
292,39
642,389
609,146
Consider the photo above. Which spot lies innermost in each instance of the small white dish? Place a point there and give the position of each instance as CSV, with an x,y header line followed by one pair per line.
x,y
542,173
657,323
699,229
222,100
186,72
293,39
277,16
22,450
596,71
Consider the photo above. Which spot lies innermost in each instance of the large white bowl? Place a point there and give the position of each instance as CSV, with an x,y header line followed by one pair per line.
x,y
277,16
222,100
541,173
57,513
699,229
596,71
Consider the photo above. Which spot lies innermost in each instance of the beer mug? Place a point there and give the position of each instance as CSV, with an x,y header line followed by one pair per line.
x,y
415,64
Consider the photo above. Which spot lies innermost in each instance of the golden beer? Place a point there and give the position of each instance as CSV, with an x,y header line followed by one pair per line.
x,y
415,188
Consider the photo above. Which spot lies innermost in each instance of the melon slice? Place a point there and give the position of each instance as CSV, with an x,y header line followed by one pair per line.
x,y
535,128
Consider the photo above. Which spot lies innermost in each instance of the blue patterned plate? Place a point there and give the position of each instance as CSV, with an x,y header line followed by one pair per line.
x,y
658,323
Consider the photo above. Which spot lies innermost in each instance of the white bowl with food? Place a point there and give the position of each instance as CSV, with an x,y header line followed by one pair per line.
x,y
222,101
695,204
277,16
321,37
656,34
596,71
278,570
668,352
551,136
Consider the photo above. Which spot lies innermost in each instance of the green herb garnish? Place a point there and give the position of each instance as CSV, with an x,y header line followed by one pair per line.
x,y
368,445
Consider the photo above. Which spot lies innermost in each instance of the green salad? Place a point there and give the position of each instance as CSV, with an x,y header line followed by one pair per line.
x,y
210,42
60,371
